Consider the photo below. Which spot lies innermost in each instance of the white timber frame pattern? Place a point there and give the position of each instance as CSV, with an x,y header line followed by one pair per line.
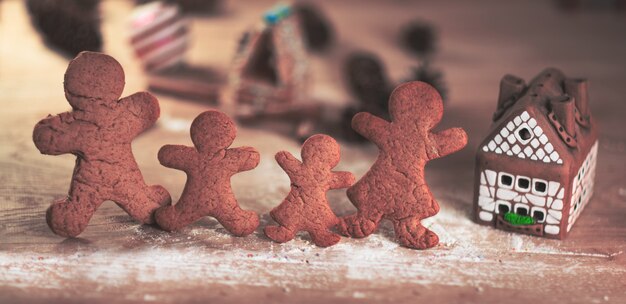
x,y
582,185
523,138
502,192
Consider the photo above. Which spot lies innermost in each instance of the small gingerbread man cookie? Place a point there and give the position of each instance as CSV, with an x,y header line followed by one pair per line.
x,y
209,166
395,188
99,131
305,208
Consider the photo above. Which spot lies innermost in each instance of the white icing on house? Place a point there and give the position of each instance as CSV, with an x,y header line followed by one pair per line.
x,y
582,186
523,138
502,192
547,125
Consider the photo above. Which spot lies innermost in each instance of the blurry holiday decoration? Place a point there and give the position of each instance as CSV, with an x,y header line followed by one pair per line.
x,y
535,170
576,5
269,78
425,73
419,37
317,30
71,26
192,6
159,37
368,82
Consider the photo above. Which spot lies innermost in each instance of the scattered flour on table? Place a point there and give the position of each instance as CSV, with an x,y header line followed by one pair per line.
x,y
207,255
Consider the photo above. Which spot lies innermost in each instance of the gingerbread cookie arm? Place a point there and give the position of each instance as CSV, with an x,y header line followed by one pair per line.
x,y
341,179
144,110
288,162
52,135
449,141
177,156
245,158
369,126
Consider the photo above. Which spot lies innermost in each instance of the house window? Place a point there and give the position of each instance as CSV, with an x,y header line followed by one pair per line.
x,y
521,209
503,207
505,180
538,214
540,187
523,184
577,202
523,134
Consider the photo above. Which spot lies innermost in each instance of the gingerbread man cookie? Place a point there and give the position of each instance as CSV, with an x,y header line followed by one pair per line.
x,y
395,188
99,131
305,208
209,166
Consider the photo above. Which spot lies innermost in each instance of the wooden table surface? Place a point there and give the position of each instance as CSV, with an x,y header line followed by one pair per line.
x,y
117,260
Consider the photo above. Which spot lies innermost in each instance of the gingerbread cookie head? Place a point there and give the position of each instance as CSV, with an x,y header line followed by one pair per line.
x,y
416,103
93,76
321,149
212,131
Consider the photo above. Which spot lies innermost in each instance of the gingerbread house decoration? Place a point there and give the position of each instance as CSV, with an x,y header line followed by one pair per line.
x,y
270,67
535,170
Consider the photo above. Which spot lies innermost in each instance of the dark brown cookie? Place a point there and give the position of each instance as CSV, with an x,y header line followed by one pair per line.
x,y
305,208
395,188
367,79
209,166
69,26
317,30
99,131
419,37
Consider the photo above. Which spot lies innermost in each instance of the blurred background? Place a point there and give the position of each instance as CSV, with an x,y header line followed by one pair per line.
x,y
283,71
334,65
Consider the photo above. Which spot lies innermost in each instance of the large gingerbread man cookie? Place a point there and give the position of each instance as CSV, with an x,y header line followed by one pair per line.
x,y
305,208
395,188
209,166
99,131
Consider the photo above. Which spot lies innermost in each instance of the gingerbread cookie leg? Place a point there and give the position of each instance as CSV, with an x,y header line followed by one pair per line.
x,y
323,237
362,223
237,221
284,232
172,218
412,234
68,217
141,203
430,207
279,234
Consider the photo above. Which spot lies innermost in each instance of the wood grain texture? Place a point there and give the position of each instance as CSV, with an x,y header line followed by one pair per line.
x,y
118,260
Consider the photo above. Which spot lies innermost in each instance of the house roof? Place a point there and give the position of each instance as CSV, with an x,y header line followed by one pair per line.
x,y
280,38
547,120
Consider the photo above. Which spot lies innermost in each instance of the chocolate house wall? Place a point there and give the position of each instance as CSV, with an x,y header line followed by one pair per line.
x,y
557,165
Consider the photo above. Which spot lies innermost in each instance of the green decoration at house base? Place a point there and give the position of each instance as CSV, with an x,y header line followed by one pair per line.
x,y
518,220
